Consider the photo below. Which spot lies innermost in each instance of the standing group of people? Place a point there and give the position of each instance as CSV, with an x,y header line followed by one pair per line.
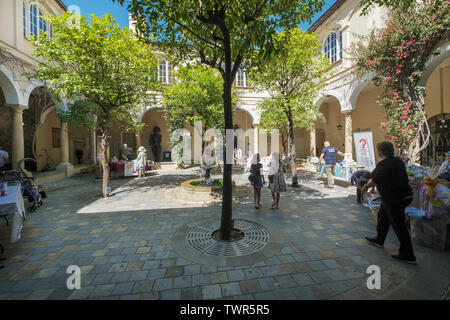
x,y
126,154
276,176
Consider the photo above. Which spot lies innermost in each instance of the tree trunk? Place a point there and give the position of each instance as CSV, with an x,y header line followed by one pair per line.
x,y
292,148
104,146
227,209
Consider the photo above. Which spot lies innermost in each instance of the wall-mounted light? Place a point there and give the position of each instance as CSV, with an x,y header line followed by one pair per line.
x,y
339,127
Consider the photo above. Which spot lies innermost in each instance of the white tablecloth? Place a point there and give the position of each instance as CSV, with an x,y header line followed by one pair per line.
x,y
13,204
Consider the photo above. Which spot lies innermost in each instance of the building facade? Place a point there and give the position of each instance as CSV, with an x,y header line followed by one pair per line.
x,y
349,104
29,126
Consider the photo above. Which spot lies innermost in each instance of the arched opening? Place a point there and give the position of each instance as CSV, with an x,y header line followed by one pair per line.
x,y
368,115
41,131
332,127
437,107
242,119
5,129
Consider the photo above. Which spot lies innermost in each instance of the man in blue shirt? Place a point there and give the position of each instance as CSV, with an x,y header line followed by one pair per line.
x,y
329,154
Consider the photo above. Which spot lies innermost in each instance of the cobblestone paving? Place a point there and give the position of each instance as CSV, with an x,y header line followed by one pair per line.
x,y
123,246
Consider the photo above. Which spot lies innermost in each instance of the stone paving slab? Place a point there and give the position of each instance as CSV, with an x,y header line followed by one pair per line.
x,y
126,251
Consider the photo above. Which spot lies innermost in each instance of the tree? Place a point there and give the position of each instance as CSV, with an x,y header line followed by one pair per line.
x,y
396,56
101,67
196,96
390,4
293,76
272,119
222,34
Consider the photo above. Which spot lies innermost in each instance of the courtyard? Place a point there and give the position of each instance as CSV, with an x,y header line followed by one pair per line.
x,y
124,245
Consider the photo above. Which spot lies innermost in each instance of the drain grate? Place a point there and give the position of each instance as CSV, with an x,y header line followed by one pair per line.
x,y
255,238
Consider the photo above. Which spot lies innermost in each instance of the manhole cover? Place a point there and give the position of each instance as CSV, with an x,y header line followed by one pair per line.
x,y
255,238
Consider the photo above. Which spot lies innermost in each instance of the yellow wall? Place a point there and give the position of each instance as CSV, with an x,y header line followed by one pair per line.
x,y
81,135
44,141
333,116
368,116
433,91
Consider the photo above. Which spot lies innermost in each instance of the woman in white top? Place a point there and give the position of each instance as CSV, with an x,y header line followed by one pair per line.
x,y
142,161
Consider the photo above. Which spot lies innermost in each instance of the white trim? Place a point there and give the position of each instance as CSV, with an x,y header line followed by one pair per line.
x,y
10,87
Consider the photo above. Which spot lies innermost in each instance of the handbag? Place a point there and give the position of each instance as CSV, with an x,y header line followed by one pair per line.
x,y
252,177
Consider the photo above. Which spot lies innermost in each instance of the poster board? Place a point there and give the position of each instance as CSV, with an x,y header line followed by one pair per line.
x,y
364,149
131,168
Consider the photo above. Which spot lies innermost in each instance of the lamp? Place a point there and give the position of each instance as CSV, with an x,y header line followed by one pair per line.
x,y
339,127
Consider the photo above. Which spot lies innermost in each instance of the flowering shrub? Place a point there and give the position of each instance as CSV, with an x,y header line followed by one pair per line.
x,y
396,57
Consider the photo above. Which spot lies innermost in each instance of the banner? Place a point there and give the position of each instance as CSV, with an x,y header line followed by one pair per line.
x,y
364,149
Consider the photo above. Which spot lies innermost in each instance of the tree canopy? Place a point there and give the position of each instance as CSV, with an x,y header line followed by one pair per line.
x,y
101,68
222,34
293,75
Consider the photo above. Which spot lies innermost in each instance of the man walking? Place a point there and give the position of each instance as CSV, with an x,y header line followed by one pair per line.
x,y
392,182
329,154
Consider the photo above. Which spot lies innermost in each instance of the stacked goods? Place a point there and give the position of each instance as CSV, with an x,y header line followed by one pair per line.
x,y
430,222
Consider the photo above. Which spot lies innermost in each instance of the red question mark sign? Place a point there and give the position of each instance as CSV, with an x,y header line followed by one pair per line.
x,y
364,142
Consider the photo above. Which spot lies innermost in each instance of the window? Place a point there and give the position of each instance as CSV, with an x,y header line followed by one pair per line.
x,y
33,20
42,23
24,16
56,137
241,78
165,74
36,22
332,46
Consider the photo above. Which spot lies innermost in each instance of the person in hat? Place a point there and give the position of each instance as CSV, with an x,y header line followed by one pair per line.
x,y
142,160
444,169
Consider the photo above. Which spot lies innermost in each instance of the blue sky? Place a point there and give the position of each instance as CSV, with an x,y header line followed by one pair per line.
x,y
101,7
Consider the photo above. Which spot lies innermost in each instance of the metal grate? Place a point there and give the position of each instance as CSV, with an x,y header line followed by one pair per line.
x,y
255,238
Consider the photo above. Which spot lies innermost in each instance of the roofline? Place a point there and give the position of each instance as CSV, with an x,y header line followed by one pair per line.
x,y
62,5
325,15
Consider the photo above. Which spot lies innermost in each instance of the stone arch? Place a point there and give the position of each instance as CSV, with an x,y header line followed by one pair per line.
x,y
357,87
10,87
325,93
255,114
439,55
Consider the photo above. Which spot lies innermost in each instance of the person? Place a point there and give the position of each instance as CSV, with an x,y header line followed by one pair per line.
x,y
130,154
155,144
142,161
258,180
123,153
361,177
444,169
3,157
329,154
277,182
392,182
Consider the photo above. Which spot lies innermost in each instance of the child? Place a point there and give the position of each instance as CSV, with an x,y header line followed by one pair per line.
x,y
257,181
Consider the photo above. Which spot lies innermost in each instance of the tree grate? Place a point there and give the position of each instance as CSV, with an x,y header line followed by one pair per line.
x,y
256,237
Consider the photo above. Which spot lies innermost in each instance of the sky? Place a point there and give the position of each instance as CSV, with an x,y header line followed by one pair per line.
x,y
101,7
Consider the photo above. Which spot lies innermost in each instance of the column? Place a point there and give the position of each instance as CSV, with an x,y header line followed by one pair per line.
x,y
138,141
256,139
18,146
348,133
65,165
312,142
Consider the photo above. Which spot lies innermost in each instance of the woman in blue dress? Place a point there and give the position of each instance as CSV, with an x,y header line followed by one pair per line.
x,y
257,181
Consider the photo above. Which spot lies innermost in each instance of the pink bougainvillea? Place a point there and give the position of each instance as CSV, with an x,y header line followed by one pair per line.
x,y
396,56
